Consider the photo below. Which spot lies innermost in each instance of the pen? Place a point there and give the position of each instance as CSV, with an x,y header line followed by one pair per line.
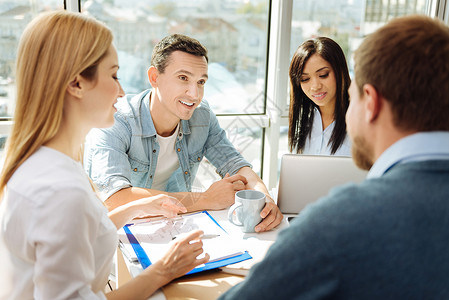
x,y
203,237
209,236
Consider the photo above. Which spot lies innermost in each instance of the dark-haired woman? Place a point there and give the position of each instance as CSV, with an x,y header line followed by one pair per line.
x,y
319,82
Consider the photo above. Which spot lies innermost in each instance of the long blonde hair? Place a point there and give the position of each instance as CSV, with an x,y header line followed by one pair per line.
x,y
54,48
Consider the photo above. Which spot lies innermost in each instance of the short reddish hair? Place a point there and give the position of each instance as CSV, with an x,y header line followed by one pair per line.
x,y
407,61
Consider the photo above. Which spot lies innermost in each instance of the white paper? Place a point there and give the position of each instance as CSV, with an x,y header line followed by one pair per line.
x,y
155,237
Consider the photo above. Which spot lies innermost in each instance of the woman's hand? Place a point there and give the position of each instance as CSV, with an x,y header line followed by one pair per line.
x,y
149,206
159,205
180,258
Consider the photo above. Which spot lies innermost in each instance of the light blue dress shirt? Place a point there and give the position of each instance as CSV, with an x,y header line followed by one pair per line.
x,y
318,143
126,154
419,146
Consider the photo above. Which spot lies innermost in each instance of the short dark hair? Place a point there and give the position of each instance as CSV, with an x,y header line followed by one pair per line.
x,y
175,42
407,62
301,107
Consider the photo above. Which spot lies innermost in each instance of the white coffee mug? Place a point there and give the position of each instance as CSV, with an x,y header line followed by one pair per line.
x,y
245,212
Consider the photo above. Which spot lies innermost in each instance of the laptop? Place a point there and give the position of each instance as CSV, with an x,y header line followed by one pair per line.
x,y
306,178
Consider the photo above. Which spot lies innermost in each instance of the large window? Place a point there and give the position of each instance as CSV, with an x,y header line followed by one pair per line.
x,y
234,32
14,16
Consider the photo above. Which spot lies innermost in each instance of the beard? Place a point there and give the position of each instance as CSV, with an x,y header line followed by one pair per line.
x,y
361,153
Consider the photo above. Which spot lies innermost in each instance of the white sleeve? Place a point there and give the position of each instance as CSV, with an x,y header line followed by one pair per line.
x,y
62,234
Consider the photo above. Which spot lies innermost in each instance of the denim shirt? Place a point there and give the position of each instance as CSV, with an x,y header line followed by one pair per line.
x,y
126,154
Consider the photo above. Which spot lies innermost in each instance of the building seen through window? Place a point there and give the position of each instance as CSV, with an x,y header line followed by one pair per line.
x,y
234,32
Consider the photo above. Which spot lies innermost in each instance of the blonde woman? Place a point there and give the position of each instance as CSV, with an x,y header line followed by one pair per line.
x,y
56,240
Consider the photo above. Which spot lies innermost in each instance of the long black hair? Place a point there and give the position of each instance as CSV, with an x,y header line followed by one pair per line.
x,y
302,108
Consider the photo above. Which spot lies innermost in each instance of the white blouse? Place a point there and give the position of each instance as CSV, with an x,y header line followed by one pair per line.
x,y
56,240
319,139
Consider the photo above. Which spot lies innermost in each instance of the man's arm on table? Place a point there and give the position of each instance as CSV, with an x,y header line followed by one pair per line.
x,y
219,195
270,214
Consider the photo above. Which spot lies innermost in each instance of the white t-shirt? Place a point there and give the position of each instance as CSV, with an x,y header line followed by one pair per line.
x,y
319,139
56,240
167,160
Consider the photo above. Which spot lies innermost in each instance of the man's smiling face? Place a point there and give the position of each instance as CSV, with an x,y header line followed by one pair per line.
x,y
180,88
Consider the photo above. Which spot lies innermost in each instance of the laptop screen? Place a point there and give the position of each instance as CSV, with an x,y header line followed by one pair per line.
x,y
306,178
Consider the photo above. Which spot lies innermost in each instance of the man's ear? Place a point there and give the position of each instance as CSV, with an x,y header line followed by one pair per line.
x,y
74,87
373,102
153,74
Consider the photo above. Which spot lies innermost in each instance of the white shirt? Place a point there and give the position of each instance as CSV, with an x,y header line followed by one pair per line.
x,y
415,147
167,160
56,240
318,142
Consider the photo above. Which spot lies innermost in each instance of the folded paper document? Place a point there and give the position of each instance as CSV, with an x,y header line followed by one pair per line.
x,y
151,240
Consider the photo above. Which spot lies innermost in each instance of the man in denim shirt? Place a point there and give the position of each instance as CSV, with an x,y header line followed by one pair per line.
x,y
161,135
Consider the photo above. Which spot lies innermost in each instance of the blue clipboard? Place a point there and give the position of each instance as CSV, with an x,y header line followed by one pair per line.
x,y
145,261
